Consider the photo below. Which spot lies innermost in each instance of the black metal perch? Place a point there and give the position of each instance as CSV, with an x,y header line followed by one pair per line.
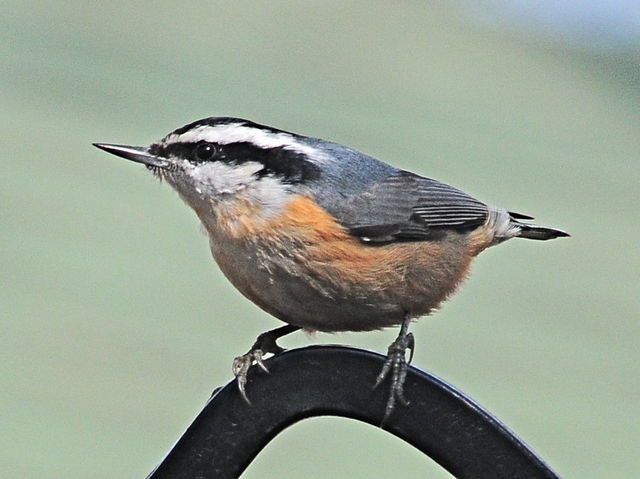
x,y
441,421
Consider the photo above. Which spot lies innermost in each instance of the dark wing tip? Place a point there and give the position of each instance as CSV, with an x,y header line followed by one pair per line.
x,y
519,216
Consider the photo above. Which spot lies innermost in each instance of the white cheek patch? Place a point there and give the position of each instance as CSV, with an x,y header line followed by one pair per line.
x,y
218,178
226,182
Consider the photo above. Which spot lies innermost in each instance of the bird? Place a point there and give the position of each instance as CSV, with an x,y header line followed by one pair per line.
x,y
324,237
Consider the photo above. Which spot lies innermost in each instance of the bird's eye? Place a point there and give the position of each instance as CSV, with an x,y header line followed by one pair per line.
x,y
205,151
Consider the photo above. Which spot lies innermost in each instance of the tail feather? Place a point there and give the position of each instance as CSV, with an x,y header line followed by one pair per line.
x,y
536,232
505,225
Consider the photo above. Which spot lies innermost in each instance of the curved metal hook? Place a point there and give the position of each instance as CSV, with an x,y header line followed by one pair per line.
x,y
441,421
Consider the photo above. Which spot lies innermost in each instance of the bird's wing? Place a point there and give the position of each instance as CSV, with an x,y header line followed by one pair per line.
x,y
405,206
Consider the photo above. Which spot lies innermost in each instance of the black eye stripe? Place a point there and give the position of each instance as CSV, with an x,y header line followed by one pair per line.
x,y
290,166
198,152
175,150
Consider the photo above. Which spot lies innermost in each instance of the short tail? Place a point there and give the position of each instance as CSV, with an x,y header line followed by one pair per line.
x,y
507,224
535,232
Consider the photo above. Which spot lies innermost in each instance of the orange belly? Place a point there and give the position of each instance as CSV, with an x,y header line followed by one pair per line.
x,y
304,268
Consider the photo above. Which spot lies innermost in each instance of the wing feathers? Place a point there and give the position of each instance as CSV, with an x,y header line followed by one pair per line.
x,y
405,206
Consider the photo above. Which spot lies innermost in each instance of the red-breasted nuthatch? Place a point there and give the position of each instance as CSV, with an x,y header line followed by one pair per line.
x,y
322,236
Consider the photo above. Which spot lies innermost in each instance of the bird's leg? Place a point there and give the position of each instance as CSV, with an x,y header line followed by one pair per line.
x,y
265,344
396,364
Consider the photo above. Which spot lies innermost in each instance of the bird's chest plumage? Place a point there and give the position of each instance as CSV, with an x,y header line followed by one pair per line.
x,y
304,268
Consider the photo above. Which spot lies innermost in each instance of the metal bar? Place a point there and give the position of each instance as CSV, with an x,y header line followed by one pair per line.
x,y
441,421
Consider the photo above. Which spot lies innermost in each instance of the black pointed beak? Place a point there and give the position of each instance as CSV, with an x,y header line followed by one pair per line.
x,y
139,154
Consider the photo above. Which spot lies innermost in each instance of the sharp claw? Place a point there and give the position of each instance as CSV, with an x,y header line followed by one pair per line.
x,y
396,364
242,381
411,344
261,364
240,368
379,380
265,344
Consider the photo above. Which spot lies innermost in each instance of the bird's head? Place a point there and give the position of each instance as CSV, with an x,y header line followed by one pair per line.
x,y
216,159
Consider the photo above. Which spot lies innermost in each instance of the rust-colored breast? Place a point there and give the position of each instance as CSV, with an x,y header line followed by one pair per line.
x,y
307,269
417,275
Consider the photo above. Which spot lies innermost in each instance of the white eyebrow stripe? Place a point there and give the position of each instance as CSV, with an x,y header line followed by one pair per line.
x,y
239,133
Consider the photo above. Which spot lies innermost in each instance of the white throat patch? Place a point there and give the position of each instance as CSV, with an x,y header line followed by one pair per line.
x,y
227,184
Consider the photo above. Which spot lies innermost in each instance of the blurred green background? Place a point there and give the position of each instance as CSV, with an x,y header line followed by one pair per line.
x,y
115,323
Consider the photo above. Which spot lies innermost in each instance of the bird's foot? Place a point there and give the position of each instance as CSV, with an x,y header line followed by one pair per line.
x,y
396,365
265,344
241,365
